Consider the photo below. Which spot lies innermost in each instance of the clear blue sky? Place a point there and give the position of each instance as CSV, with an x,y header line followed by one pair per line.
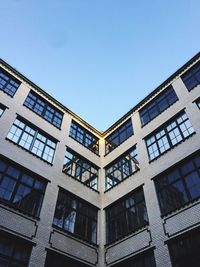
x,y
99,57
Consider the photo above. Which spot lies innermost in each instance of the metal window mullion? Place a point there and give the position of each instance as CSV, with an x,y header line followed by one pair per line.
x,y
18,182
23,131
168,137
33,141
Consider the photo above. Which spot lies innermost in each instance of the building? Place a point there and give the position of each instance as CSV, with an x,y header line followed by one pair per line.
x,y
73,196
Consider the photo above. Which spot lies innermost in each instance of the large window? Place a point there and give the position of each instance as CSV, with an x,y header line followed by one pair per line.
x,y
121,168
8,83
76,216
125,216
118,136
20,189
81,169
184,251
179,186
14,252
84,137
158,105
191,78
43,108
163,139
145,259
32,139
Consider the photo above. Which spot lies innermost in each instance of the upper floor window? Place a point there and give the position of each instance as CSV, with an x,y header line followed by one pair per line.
x,y
184,250
126,216
30,138
76,216
81,169
43,108
158,105
179,185
8,83
84,137
163,139
20,189
191,77
121,168
14,252
118,136
2,109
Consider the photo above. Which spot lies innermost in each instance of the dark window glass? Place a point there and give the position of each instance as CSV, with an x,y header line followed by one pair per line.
x,y
76,217
191,78
81,169
42,107
31,139
142,260
169,135
57,260
121,168
126,216
179,186
118,136
13,252
198,103
20,189
184,251
8,83
158,105
2,109
84,137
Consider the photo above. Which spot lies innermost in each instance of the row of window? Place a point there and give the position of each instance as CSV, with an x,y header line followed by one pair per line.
x,y
175,188
184,252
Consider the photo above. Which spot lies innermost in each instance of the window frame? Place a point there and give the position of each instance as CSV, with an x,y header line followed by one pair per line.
x,y
118,134
37,135
39,102
8,81
166,95
78,133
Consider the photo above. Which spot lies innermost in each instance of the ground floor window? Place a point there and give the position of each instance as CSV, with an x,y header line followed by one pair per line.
x,y
184,251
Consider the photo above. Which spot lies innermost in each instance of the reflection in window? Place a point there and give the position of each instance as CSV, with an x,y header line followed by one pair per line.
x,y
32,139
142,260
76,216
14,252
121,168
179,186
20,190
81,169
118,136
84,137
191,78
8,83
158,105
42,107
126,216
184,251
168,136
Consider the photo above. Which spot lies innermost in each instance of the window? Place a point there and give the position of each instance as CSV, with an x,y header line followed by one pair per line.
x,y
145,259
179,186
20,189
168,136
158,105
76,216
54,259
84,137
8,83
81,169
121,168
43,108
126,216
184,251
31,139
191,78
118,136
2,109
14,252
198,103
